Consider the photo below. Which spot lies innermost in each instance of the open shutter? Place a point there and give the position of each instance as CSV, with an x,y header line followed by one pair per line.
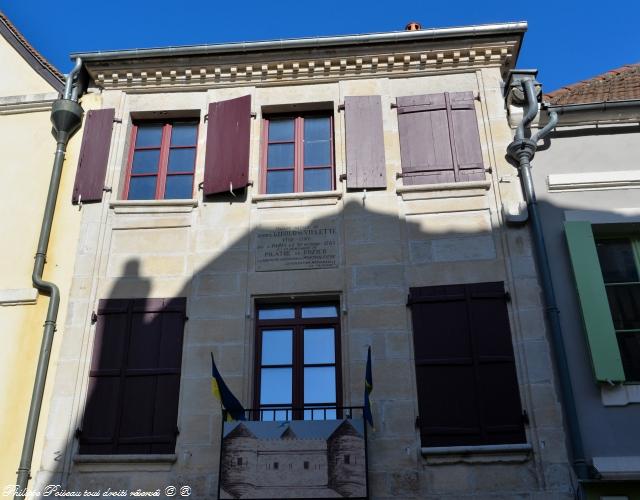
x,y
596,316
465,370
466,137
94,155
226,163
365,142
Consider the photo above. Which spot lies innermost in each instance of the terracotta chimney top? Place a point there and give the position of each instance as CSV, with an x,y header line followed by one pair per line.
x,y
413,26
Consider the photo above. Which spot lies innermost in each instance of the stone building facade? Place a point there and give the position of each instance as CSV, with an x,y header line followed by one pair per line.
x,y
377,247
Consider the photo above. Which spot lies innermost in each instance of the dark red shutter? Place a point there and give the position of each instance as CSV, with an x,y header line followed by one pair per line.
x,y
145,406
467,149
365,142
94,155
228,135
465,369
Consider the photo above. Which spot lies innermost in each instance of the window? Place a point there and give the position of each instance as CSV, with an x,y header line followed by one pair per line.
x,y
619,260
298,154
134,382
162,160
465,369
297,368
439,138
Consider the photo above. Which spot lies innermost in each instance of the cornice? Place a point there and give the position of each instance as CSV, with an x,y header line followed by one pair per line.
x,y
27,103
201,72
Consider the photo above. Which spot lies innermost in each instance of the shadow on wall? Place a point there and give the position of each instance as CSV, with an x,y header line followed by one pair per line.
x,y
149,392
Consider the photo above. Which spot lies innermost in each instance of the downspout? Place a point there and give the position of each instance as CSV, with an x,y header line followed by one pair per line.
x,y
66,117
522,151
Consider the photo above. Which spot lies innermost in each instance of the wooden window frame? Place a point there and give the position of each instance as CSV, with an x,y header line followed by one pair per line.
x,y
297,324
298,153
163,162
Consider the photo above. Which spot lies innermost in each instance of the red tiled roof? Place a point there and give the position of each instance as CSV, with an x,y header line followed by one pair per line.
x,y
32,56
615,85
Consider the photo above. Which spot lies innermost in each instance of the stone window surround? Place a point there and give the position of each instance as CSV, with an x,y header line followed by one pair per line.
x,y
624,393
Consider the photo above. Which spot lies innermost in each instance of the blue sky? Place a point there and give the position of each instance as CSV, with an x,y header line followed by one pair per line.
x,y
567,40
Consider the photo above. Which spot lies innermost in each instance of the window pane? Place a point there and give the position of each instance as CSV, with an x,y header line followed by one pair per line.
x,y
317,128
267,415
616,261
320,312
142,188
277,347
319,345
277,313
281,130
181,160
624,303
275,386
145,162
317,153
320,385
148,135
184,134
317,179
280,155
178,187
280,181
320,414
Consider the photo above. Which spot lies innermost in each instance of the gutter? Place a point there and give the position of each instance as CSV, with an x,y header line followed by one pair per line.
x,y
483,30
595,106
66,117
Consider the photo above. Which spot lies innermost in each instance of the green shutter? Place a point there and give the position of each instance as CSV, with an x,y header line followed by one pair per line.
x,y
598,325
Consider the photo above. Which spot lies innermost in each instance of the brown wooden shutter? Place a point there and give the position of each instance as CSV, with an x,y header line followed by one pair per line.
x,y
465,369
365,143
94,155
228,135
143,410
467,148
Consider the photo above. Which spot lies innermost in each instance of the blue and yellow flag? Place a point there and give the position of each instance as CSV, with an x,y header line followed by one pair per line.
x,y
235,411
368,387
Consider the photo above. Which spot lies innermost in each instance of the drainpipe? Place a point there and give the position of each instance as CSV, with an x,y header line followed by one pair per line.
x,y
66,117
525,89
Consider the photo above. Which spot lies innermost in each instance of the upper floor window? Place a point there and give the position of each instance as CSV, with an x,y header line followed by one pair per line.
x,y
162,160
298,154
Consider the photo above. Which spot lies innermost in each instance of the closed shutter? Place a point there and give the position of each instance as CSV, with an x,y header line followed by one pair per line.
x,y
465,370
439,139
596,315
94,155
132,404
228,135
365,143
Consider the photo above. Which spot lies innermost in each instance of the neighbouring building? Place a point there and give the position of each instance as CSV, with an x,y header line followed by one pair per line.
x,y
28,88
586,178
284,205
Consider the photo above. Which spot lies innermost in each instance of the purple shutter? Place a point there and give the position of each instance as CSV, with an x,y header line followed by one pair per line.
x,y
425,145
94,155
467,149
365,142
228,133
465,369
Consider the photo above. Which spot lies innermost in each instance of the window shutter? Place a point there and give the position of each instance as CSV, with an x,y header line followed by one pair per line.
x,y
228,134
425,145
596,316
467,151
365,142
94,155
465,370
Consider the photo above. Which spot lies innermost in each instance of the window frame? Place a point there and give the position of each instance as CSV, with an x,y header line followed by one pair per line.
x,y
297,325
298,153
163,161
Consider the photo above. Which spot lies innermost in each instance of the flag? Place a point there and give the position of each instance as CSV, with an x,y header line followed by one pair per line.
x,y
368,387
235,411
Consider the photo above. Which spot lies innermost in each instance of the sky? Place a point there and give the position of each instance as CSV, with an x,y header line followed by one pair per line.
x,y
567,40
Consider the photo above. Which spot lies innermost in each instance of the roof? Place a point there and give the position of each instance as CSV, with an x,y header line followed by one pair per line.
x,y
36,60
618,84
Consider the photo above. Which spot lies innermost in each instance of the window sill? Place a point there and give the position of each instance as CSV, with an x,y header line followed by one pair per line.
x,y
115,463
153,206
297,199
445,189
18,296
511,453
620,394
